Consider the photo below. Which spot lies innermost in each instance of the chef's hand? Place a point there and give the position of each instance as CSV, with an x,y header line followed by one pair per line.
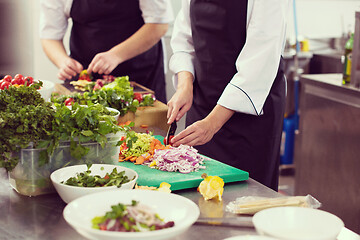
x,y
181,101
69,68
202,131
104,63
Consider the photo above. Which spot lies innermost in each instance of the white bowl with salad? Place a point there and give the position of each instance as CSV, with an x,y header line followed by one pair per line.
x,y
131,214
76,181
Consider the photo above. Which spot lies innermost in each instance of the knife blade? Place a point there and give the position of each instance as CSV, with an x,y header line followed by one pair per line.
x,y
171,131
245,222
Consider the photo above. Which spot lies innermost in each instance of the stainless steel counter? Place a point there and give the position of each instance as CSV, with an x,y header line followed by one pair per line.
x,y
41,217
327,146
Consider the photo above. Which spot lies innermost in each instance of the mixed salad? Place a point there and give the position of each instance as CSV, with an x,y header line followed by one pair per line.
x,y
85,179
134,217
118,94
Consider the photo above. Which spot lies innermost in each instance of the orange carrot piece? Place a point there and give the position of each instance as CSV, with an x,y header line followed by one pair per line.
x,y
128,158
133,159
140,160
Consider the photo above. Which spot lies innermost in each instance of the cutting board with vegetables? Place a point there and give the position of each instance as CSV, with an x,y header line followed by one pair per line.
x,y
153,177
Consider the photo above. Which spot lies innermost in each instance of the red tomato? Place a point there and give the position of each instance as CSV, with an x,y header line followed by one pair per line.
x,y
138,96
170,137
28,80
7,78
14,81
97,86
20,79
69,101
4,84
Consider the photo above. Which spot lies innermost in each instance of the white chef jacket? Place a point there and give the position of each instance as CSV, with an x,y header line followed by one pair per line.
x,y
257,63
54,15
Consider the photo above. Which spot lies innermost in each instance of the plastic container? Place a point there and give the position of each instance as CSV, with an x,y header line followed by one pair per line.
x,y
31,178
287,141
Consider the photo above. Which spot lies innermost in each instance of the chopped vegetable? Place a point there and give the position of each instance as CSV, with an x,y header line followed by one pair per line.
x,y
184,159
164,187
139,147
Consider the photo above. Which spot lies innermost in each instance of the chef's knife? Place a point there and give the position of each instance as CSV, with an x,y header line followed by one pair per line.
x,y
245,222
171,132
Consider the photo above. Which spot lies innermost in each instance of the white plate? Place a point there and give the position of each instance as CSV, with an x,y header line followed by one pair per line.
x,y
297,223
69,193
169,206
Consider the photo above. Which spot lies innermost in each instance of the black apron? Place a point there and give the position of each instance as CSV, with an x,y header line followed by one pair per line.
x,y
247,142
99,25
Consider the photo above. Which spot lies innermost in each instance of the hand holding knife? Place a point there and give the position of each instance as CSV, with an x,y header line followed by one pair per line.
x,y
170,133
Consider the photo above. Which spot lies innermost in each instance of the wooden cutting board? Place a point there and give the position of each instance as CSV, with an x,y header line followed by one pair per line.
x,y
153,177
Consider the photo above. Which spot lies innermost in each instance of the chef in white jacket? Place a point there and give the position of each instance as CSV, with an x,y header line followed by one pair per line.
x,y
121,37
229,79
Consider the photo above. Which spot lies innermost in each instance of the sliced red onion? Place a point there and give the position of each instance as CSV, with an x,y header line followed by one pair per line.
x,y
184,159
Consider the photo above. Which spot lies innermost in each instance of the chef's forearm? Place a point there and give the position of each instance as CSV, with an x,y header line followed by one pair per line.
x,y
55,51
219,116
141,41
185,80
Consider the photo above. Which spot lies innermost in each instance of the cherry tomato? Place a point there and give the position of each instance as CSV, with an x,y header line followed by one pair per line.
x,y
98,85
14,81
28,80
69,101
138,96
7,78
4,84
170,137
20,79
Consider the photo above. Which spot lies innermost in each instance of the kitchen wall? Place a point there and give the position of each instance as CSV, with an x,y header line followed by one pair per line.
x,y
21,52
323,18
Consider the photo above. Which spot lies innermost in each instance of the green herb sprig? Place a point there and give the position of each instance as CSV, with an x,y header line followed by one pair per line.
x,y
85,179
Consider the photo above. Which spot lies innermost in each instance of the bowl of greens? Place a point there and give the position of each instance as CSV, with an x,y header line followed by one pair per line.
x,y
75,181
131,214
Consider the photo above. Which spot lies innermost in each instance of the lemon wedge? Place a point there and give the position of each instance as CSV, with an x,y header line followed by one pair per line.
x,y
211,187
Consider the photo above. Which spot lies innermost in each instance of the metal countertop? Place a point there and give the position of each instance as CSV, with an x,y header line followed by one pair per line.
x,y
41,217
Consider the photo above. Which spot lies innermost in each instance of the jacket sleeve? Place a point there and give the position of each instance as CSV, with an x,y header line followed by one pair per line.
x,y
182,44
54,15
258,62
156,11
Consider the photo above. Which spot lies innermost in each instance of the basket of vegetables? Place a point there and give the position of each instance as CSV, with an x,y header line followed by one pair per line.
x,y
37,137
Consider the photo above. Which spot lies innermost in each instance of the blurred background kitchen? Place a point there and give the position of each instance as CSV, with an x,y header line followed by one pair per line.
x,y
321,137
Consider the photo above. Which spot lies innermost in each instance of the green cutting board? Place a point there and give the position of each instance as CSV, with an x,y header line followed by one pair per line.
x,y
153,177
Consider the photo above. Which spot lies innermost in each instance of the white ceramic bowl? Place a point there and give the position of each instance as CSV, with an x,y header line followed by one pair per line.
x,y
169,206
69,193
46,90
114,110
297,223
